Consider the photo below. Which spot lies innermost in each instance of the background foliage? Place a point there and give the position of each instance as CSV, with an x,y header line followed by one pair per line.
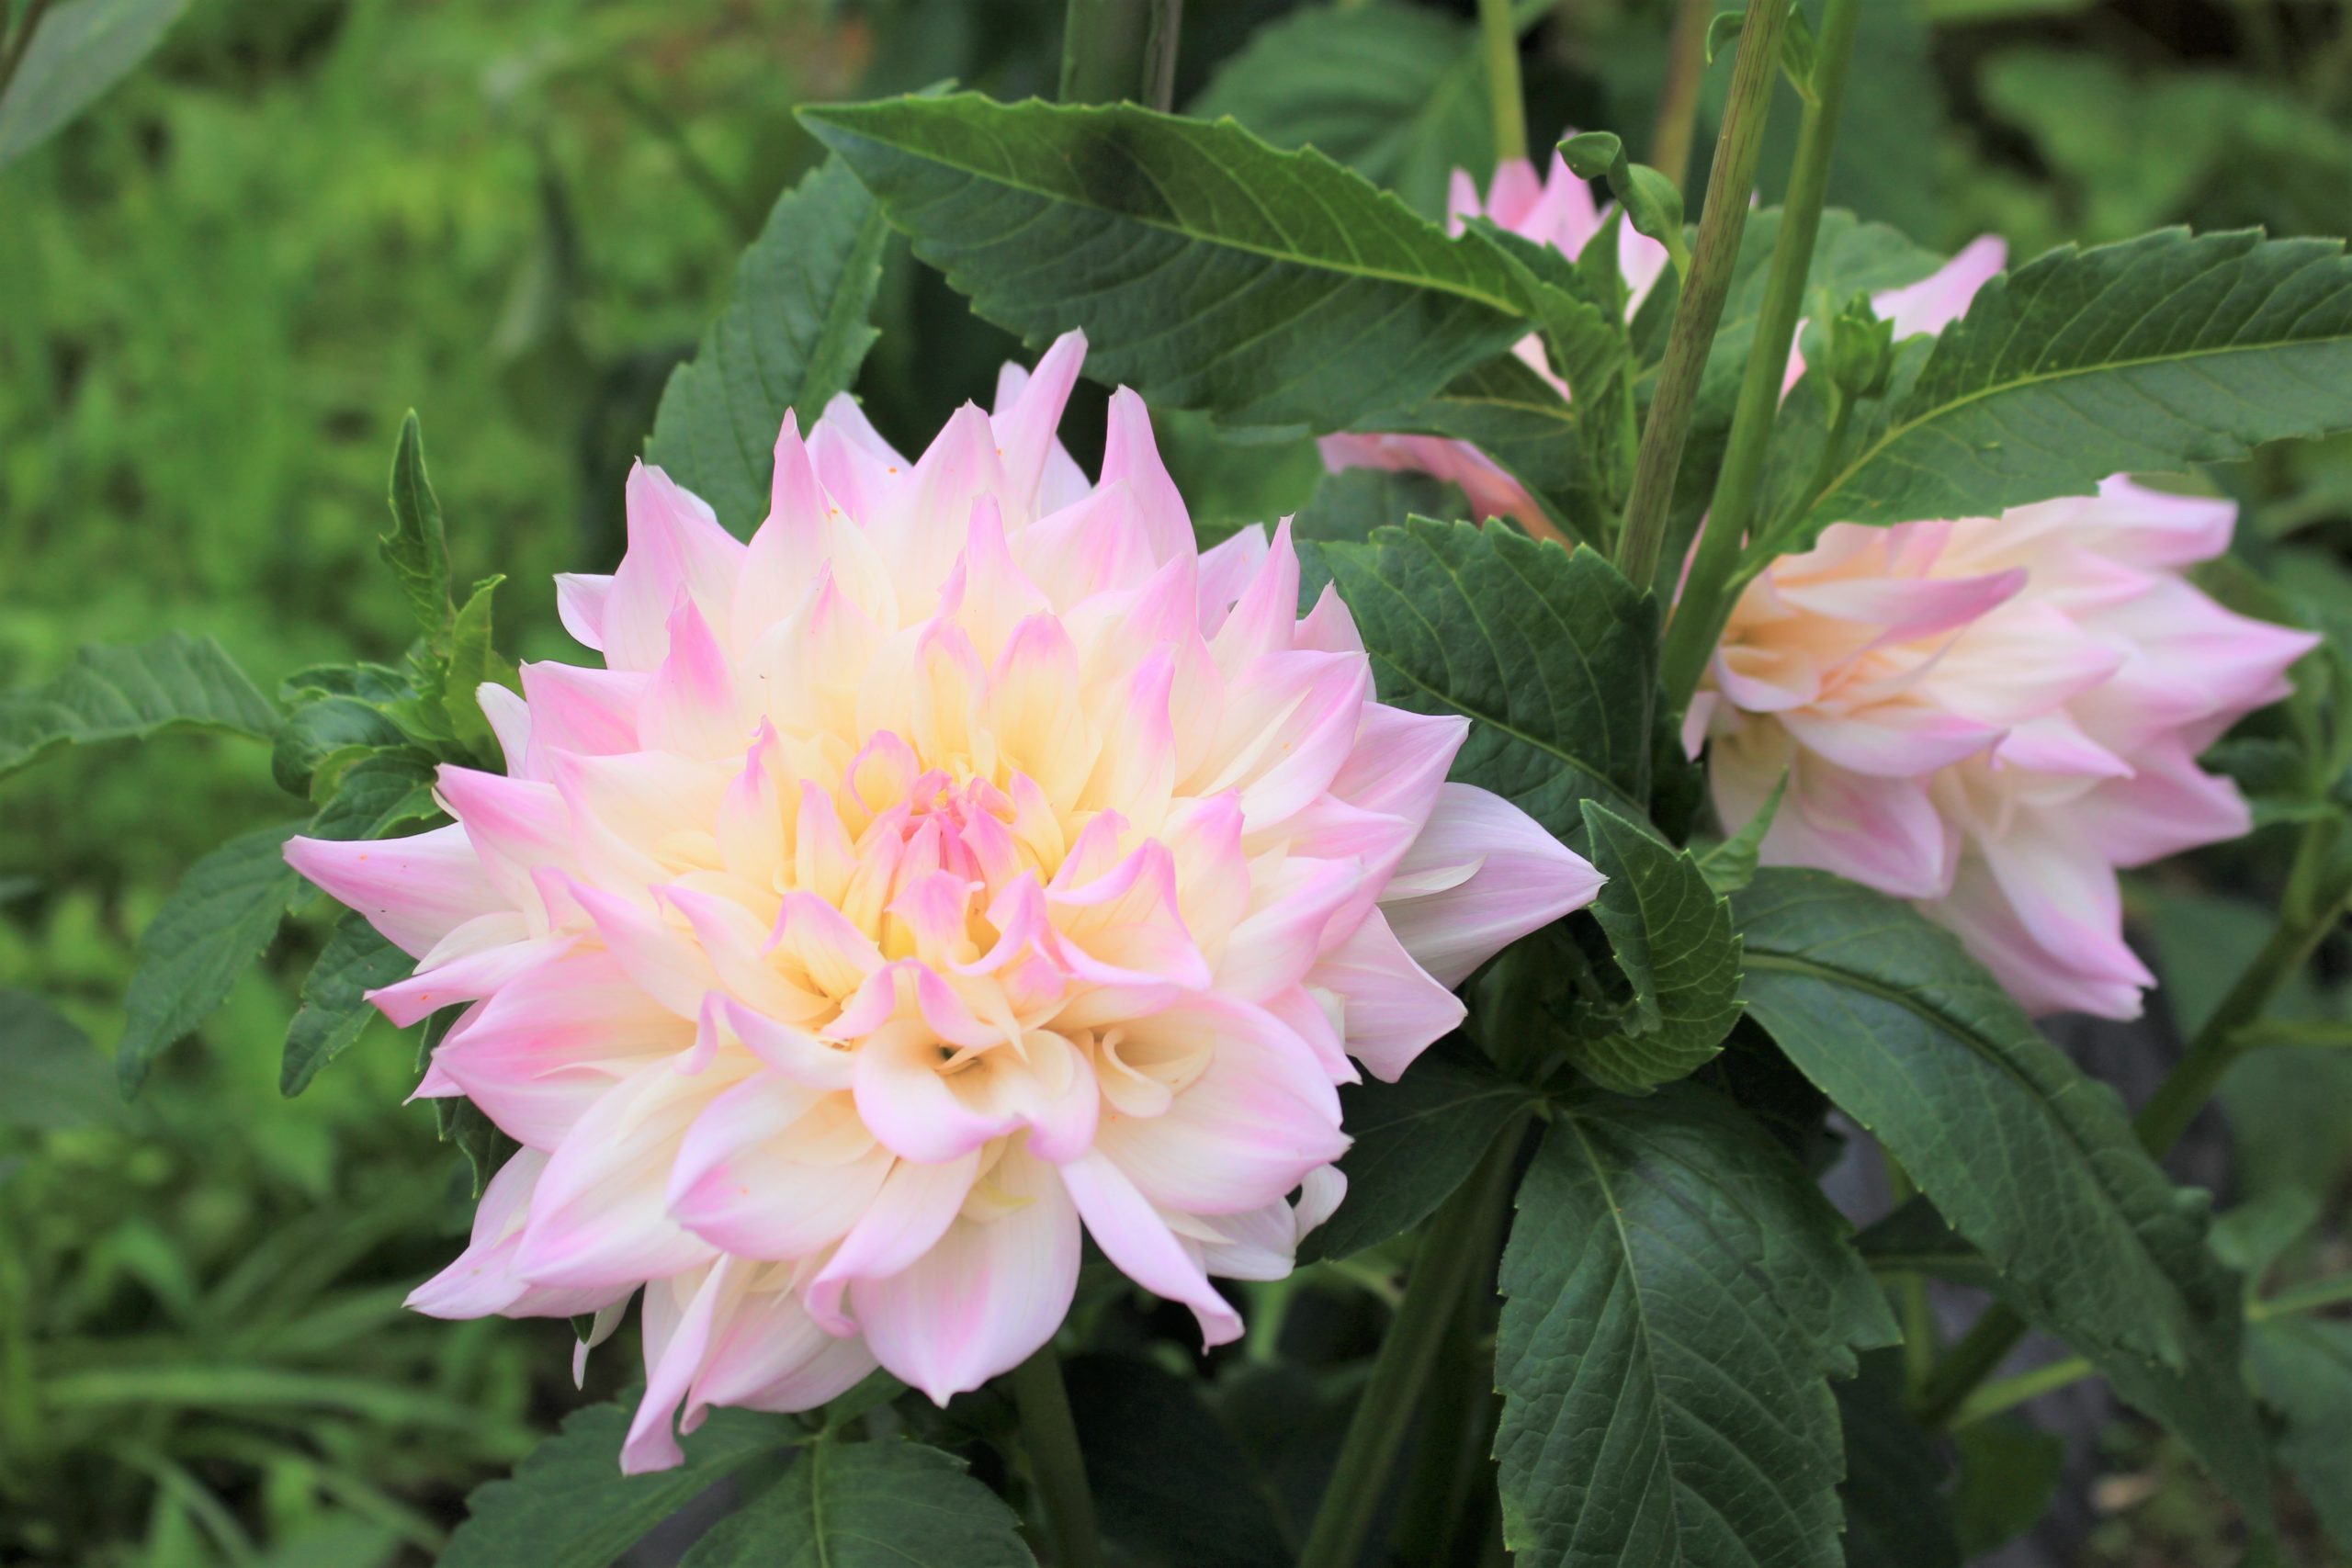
x,y
222,286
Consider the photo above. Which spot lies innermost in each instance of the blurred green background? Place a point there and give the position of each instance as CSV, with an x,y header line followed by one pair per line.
x,y
223,284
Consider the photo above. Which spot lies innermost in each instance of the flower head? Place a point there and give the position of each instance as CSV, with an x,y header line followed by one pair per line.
x,y
1991,716
965,861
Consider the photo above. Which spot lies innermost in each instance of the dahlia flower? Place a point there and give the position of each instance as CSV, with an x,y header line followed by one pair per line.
x,y
1991,716
965,861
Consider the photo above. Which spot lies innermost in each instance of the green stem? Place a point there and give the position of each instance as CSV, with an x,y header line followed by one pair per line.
x,y
1696,315
20,43
2319,887
1458,1425
1049,1437
2008,1394
1920,1340
1677,105
1115,50
1452,1244
1705,604
1499,30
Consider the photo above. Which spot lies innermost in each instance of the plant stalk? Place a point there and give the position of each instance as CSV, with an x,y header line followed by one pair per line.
x,y
1049,1437
1452,1244
2325,885
1121,49
1499,29
1705,604
1677,105
20,42
1754,75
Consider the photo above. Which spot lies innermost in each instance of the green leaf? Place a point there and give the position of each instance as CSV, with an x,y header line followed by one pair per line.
x,y
1416,1141
320,733
1551,655
881,1504
50,1076
1206,269
1915,1239
417,550
334,1010
793,335
1912,1039
2251,1236
1671,936
80,49
2301,1368
1395,92
376,793
1678,1295
1514,416
377,685
474,662
1730,866
2008,1474
568,1505
2160,352
129,694
1896,1516
218,921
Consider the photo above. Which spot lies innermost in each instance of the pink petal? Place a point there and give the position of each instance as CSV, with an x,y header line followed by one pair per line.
x,y
916,1205
1134,1236
415,891
1393,1010
1522,878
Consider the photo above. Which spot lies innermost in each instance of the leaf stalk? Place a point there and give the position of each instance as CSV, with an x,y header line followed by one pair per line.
x,y
1452,1244
1498,31
1706,595
1700,308
1115,50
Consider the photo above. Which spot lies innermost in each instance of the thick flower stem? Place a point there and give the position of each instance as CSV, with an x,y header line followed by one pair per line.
x,y
1701,308
1698,618
1499,32
2324,884
1677,105
1050,1438
1115,50
1452,1242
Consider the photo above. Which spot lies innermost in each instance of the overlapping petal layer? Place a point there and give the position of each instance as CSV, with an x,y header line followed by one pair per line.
x,y
962,863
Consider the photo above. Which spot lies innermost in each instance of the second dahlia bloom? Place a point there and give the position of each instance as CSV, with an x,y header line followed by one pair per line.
x,y
1991,716
963,862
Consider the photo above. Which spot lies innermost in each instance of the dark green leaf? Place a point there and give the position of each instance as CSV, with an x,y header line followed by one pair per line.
x,y
1915,1239
378,792
1207,269
82,48
375,684
1896,1516
1170,1484
1671,936
1677,1296
1507,410
319,734
880,1505
1552,655
1352,504
1416,1141
2160,352
218,921
50,1076
117,694
2301,1368
1912,1039
793,335
2250,1237
568,1505
1395,92
334,1009
417,549
2008,1473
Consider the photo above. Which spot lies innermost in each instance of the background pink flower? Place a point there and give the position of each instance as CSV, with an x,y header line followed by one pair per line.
x,y
962,862
1556,211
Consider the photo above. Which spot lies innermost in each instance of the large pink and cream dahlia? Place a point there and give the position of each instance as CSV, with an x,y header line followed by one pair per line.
x,y
965,860
1991,716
